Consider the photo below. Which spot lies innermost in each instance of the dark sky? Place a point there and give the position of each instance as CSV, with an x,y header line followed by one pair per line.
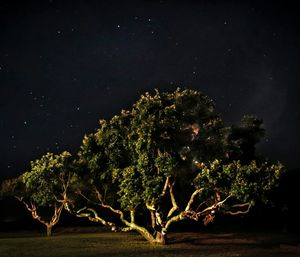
x,y
66,64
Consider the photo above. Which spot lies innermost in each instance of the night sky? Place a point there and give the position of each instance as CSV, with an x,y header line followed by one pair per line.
x,y
66,64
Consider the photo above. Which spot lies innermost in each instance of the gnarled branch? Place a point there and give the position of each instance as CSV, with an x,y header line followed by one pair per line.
x,y
173,200
192,199
248,205
96,217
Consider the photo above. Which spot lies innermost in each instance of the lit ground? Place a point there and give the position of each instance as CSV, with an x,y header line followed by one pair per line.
x,y
86,243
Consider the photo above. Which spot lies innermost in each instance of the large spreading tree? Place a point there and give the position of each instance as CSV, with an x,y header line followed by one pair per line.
x,y
168,159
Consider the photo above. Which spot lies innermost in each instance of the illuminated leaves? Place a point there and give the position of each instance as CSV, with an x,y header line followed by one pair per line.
x,y
45,181
247,183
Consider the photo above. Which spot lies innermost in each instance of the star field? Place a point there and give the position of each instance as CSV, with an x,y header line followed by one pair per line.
x,y
64,65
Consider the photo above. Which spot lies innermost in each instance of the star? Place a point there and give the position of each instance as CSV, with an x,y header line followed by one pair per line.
x,y
25,122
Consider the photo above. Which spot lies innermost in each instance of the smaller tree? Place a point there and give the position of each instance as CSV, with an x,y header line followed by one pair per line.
x,y
45,185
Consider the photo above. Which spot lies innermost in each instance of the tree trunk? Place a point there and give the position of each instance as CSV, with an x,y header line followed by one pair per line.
x,y
49,230
161,238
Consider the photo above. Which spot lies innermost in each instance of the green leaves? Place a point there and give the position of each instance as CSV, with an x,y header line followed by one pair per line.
x,y
247,183
170,154
48,175
163,136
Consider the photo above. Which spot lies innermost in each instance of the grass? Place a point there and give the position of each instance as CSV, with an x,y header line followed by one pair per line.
x,y
77,243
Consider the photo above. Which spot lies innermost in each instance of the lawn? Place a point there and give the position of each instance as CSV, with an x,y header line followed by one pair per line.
x,y
74,243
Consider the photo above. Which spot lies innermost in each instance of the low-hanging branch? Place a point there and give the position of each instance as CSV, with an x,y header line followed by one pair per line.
x,y
129,225
238,212
88,212
213,207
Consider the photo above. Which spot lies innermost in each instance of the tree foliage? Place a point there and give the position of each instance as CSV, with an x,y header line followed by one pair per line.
x,y
171,156
167,159
45,185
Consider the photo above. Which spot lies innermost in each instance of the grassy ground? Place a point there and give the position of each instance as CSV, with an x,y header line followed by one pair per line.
x,y
77,243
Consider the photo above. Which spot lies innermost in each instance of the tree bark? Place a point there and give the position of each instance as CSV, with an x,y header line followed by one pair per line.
x,y
49,230
32,208
161,238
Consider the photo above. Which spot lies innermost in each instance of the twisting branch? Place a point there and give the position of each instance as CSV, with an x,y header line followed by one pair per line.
x,y
151,209
57,213
66,183
132,216
130,225
120,213
26,204
189,213
178,217
214,206
186,213
240,205
173,200
33,210
88,199
211,208
96,217
248,205
165,186
192,199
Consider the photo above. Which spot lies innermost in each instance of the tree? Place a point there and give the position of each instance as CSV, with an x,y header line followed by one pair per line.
x,y
167,160
45,185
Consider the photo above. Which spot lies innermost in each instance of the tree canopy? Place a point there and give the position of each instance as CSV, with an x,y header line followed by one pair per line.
x,y
174,146
167,159
45,185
